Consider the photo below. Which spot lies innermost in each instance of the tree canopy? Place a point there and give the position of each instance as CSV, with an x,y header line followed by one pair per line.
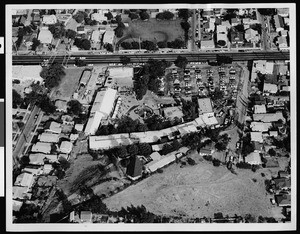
x,y
52,75
79,16
181,62
17,99
74,107
144,15
124,60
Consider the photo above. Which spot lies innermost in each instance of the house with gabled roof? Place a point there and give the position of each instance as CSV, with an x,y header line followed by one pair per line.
x,y
134,168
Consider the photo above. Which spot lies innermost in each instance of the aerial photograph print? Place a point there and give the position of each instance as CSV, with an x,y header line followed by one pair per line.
x,y
177,117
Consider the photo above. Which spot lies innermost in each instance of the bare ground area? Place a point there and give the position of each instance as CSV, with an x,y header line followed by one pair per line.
x,y
188,190
68,84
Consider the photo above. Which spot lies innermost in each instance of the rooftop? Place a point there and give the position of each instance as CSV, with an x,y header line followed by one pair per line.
x,y
269,117
258,109
48,137
205,105
45,36
41,147
256,136
173,112
253,158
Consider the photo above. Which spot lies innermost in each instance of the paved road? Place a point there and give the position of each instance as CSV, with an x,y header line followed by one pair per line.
x,y
25,135
136,58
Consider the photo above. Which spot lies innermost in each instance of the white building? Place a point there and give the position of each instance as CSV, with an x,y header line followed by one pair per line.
x,y
109,36
49,19
102,107
253,158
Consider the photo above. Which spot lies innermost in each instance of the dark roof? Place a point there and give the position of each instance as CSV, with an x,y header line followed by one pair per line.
x,y
272,163
283,199
282,182
134,167
80,28
282,174
85,215
218,21
236,36
257,145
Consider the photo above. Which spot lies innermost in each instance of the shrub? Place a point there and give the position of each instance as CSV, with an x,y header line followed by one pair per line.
x,y
207,157
243,165
216,162
160,170
191,161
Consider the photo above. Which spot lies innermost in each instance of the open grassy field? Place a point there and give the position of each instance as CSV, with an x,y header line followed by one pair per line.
x,y
153,30
68,84
197,191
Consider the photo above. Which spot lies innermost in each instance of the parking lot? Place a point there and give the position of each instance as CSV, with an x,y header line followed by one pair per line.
x,y
202,79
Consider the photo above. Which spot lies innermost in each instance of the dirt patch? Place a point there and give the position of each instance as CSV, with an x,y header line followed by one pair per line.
x,y
197,191
68,84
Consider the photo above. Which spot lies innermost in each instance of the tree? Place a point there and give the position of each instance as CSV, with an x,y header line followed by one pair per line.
x,y
79,62
71,34
65,164
266,11
124,60
46,104
119,32
16,98
144,15
181,62
35,43
249,218
120,152
162,44
272,152
223,59
221,43
167,15
185,25
109,47
176,44
52,74
144,149
85,44
240,28
74,107
148,45
184,14
133,16
24,161
118,19
126,45
79,16
57,30
135,45
167,148
133,149
108,15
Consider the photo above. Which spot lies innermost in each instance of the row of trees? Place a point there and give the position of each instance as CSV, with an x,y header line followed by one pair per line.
x,y
84,44
52,75
165,15
143,15
130,150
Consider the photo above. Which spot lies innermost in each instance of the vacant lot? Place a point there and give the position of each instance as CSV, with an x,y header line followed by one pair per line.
x,y
198,191
153,30
68,84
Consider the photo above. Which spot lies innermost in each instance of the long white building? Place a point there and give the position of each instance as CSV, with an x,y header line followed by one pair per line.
x,y
102,107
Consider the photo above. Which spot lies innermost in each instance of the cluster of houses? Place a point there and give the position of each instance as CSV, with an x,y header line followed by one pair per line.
x,y
99,34
213,25
53,145
281,188
267,114
280,23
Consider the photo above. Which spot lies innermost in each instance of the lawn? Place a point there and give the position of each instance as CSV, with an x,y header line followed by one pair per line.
x,y
197,191
68,84
153,30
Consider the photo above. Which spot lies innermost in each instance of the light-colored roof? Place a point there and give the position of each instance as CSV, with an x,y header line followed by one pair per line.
x,y
49,19
209,119
98,16
79,127
108,36
72,25
186,128
256,136
54,127
226,24
19,192
258,109
74,137
93,122
253,158
66,147
221,29
283,11
222,37
34,171
48,137
260,126
45,36
38,159
21,72
270,88
205,105
273,133
278,22
96,143
282,41
172,112
269,67
251,34
41,147
207,44
17,205
24,180
61,105
85,77
47,168
96,36
104,101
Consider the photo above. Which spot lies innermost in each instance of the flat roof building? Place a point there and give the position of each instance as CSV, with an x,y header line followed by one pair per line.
x,y
41,147
269,117
253,158
260,109
205,105
260,126
48,137
102,107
